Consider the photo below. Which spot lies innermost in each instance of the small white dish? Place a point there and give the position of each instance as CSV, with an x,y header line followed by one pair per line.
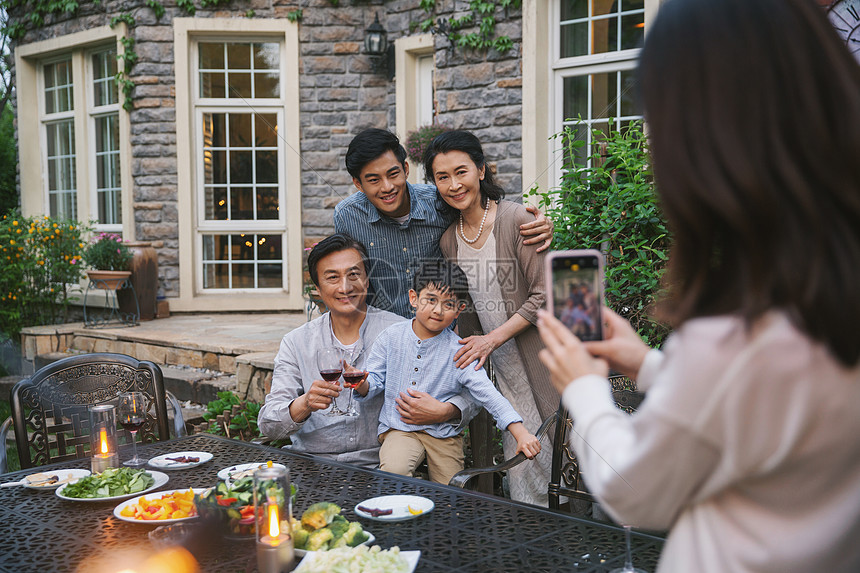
x,y
399,506
42,480
168,461
307,563
117,511
371,539
239,471
160,480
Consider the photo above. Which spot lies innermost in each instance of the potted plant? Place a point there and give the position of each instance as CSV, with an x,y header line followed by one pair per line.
x,y
418,140
108,258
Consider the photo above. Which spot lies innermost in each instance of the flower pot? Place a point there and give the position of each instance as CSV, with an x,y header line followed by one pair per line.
x,y
108,280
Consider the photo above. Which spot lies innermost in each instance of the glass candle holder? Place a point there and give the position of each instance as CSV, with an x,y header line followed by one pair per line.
x,y
103,438
273,510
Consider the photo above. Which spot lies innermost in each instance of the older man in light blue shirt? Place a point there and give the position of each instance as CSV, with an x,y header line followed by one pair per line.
x,y
297,403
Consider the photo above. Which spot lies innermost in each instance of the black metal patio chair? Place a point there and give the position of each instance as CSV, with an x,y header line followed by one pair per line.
x,y
565,478
50,409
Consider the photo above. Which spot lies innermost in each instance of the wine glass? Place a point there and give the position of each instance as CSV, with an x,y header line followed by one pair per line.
x,y
352,376
131,414
628,561
330,364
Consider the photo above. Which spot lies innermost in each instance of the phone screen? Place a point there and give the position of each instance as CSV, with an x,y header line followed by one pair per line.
x,y
576,292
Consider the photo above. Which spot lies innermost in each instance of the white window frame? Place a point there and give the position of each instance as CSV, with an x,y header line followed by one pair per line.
x,y
542,101
94,113
189,112
32,144
407,52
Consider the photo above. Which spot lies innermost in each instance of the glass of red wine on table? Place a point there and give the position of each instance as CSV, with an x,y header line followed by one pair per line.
x,y
352,377
131,414
330,364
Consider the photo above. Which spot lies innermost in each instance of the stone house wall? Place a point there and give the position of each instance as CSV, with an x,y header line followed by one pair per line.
x,y
340,94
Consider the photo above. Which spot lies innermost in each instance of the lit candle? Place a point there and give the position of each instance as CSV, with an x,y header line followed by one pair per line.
x,y
105,458
275,550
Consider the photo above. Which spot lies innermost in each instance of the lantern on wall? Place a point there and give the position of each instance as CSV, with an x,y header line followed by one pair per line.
x,y
377,47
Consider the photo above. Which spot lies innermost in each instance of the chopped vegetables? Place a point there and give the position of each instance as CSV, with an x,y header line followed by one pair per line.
x,y
355,559
176,505
110,483
322,527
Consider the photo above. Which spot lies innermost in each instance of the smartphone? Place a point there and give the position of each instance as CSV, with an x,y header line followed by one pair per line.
x,y
574,282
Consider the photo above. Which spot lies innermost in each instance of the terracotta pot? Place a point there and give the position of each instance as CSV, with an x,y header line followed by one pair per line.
x,y
108,280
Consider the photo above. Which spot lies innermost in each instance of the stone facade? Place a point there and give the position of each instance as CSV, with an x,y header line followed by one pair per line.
x,y
340,94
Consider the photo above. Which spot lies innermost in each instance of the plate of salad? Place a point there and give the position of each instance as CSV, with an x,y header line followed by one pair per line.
x,y
113,484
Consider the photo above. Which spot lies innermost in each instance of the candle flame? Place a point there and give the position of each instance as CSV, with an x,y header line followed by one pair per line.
x,y
274,522
104,441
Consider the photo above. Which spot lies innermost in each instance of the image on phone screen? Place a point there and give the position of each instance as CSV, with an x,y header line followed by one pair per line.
x,y
576,295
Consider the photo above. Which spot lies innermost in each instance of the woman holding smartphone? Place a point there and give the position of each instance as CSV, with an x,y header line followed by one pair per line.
x,y
506,286
746,446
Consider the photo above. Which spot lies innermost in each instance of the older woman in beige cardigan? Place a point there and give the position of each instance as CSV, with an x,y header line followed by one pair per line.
x,y
507,288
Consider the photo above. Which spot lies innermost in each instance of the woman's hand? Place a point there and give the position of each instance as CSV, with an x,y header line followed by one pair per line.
x,y
475,348
565,356
621,348
539,230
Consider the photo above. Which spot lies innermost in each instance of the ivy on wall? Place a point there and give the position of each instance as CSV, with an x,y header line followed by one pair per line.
x,y
483,16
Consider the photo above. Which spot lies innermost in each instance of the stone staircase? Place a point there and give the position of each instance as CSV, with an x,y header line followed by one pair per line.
x,y
200,355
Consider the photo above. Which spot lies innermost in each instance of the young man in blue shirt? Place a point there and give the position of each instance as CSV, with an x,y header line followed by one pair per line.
x,y
418,354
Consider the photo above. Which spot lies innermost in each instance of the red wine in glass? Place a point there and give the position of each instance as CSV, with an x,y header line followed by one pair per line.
x,y
131,414
353,378
331,375
330,365
132,423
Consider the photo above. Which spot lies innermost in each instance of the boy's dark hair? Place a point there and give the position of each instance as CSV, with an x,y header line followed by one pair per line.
x,y
444,276
369,145
333,244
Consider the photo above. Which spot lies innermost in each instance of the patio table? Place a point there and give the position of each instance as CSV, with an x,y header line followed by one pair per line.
x,y
465,532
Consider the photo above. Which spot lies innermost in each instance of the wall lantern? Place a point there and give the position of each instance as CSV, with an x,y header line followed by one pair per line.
x,y
377,47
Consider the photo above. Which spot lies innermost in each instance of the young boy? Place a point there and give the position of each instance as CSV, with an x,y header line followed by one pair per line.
x,y
419,354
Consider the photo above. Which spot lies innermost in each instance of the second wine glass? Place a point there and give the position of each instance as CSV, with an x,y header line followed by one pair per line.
x,y
352,377
330,364
628,558
131,414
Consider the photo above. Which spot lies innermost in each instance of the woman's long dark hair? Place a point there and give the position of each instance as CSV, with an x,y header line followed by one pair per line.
x,y
466,142
754,116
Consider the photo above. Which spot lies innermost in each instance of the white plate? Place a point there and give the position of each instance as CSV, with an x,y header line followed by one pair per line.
x,y
227,474
158,495
65,476
164,462
306,564
399,504
160,480
371,539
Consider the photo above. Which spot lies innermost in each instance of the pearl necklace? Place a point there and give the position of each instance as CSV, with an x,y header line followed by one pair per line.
x,y
480,229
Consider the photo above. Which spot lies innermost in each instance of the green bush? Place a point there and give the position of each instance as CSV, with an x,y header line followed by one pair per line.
x,y
39,256
241,424
107,252
8,162
610,205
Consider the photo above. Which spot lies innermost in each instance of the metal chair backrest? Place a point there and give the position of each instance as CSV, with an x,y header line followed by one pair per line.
x,y
565,478
50,409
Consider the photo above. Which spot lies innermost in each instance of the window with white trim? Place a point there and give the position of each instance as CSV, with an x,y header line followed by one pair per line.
x,y
596,46
64,85
104,121
240,163
59,127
